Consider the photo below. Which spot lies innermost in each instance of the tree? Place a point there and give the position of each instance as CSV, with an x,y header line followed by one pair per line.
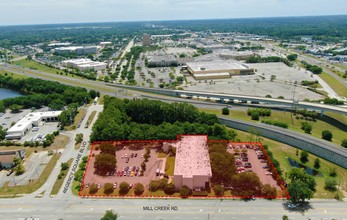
x,y
57,104
2,133
304,157
110,215
285,217
268,191
316,163
93,188
15,108
79,138
104,163
225,111
255,115
343,143
292,57
139,189
154,185
169,188
301,186
124,188
246,184
108,188
327,135
218,190
107,148
306,127
299,191
330,184
185,191
64,166
19,169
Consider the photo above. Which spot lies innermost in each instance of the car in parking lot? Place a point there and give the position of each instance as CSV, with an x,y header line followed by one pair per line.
x,y
98,185
86,185
115,185
127,160
291,206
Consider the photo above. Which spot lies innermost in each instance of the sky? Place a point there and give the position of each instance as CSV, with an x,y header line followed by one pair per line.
x,y
14,12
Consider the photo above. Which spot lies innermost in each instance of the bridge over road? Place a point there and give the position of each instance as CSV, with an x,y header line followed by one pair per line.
x,y
231,97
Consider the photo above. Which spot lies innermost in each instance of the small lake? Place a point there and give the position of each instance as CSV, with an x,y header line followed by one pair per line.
x,y
8,93
308,170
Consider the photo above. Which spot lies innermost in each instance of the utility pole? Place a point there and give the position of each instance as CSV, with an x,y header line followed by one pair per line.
x,y
293,102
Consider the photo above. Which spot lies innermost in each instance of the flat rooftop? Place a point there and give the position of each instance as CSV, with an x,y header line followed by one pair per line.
x,y
192,157
30,118
211,66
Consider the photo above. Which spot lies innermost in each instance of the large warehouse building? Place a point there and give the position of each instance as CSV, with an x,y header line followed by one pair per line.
x,y
217,70
84,64
33,119
192,165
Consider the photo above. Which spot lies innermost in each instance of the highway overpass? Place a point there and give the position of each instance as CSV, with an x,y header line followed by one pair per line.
x,y
223,97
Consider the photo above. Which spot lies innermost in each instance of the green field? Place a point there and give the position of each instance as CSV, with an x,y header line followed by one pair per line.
x,y
282,152
318,126
338,87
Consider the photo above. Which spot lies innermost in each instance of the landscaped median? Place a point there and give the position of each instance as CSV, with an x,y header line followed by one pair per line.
x,y
61,177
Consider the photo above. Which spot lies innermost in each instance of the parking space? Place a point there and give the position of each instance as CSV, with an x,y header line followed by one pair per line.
x,y
250,158
38,133
128,168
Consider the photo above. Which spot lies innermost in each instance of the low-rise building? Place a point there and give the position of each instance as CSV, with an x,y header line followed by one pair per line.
x,y
33,119
192,164
79,50
161,60
84,64
217,70
7,157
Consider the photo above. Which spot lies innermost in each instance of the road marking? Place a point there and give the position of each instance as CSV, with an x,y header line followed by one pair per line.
x,y
200,210
325,211
19,209
91,209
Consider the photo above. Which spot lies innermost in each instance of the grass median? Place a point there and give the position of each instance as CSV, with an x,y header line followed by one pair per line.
x,y
338,87
59,182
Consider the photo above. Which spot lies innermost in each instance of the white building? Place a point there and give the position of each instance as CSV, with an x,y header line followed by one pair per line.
x,y
192,165
84,64
79,50
33,119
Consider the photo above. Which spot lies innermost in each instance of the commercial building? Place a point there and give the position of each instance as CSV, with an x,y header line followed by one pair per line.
x,y
161,60
7,157
33,119
192,165
79,50
146,40
236,55
84,64
217,70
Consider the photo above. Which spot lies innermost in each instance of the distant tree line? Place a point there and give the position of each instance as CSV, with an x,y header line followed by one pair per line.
x,y
149,119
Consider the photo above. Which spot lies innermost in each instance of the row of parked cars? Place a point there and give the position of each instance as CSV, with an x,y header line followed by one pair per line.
x,y
129,171
98,185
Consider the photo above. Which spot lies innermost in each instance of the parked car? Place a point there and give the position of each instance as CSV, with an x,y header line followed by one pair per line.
x,y
135,155
98,185
127,160
115,185
86,185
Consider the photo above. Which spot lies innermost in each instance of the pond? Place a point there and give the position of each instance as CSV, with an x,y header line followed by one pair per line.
x,y
308,170
8,93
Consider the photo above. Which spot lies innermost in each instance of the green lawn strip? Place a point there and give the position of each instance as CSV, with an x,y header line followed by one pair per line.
x,y
317,127
40,67
170,166
75,187
90,118
59,182
338,87
14,75
282,152
33,186
162,155
72,80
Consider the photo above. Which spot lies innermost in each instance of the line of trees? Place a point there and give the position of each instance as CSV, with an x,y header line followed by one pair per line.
x,y
148,119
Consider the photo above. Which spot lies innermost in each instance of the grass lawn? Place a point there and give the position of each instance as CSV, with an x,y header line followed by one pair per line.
x,y
338,87
162,155
170,166
282,152
75,187
14,75
101,99
60,142
318,126
81,113
59,182
31,187
90,119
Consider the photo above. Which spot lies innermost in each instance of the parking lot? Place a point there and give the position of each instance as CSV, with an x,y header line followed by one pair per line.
x,y
249,158
128,168
38,133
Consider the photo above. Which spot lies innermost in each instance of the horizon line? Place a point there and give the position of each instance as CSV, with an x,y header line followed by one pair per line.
x,y
166,20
